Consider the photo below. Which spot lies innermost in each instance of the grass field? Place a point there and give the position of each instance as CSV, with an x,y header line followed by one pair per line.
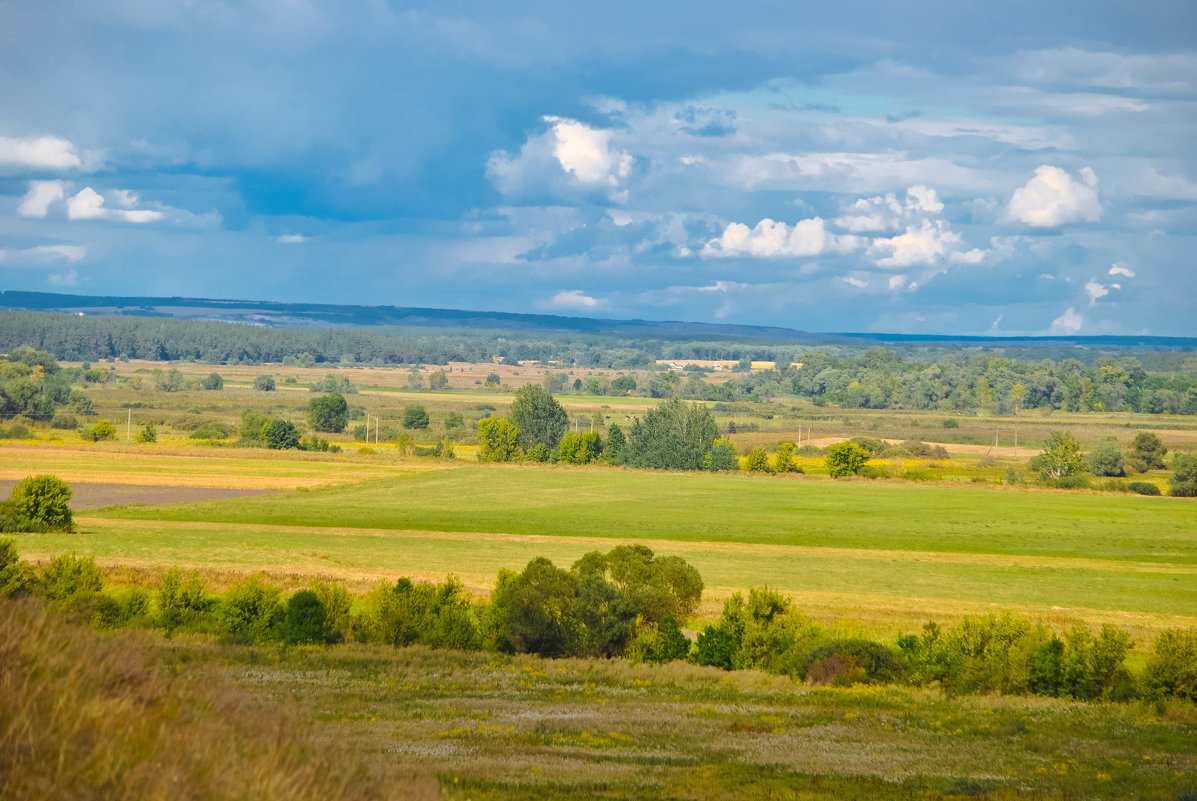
x,y
847,549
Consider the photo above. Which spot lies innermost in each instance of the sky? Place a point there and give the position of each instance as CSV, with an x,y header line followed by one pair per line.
x,y
1016,168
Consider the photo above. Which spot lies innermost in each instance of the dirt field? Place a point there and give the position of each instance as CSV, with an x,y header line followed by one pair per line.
x,y
95,496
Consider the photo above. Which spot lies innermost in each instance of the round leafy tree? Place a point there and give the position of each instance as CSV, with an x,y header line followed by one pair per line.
x,y
329,412
44,502
846,459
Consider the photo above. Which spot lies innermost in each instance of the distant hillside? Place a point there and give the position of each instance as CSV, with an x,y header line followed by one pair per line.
x,y
323,314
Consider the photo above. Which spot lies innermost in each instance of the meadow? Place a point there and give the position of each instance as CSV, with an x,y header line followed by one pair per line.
x,y
874,557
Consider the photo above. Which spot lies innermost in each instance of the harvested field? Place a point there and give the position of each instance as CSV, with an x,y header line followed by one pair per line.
x,y
96,496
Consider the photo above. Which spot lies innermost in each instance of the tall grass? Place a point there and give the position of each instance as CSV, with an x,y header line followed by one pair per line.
x,y
84,715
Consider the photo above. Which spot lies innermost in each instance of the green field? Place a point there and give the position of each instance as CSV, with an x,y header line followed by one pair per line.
x,y
888,554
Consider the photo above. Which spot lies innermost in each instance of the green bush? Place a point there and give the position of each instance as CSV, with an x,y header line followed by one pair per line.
x,y
305,621
415,417
846,459
183,603
1143,488
280,435
1183,483
757,461
147,434
854,661
67,576
950,423
14,431
17,577
264,383
211,430
102,431
329,413
1172,669
252,612
1074,481
873,471
1107,459
64,421
39,503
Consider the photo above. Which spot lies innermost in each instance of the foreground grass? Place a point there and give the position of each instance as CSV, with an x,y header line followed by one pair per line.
x,y
493,726
91,716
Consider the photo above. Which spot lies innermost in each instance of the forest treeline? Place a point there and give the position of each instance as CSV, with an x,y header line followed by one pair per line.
x,y
1001,381
625,603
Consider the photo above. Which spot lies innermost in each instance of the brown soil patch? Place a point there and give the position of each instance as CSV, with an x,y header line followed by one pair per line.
x,y
95,496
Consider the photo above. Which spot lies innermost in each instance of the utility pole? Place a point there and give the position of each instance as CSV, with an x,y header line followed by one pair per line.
x,y
129,427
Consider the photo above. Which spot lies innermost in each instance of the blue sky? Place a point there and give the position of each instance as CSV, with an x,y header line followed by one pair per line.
x,y
923,167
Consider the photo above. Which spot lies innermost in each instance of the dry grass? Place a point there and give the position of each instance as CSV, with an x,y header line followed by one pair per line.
x,y
91,716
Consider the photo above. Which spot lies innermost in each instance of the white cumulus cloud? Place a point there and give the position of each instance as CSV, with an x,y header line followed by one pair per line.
x,y
1121,269
928,243
1053,198
39,153
887,213
291,239
39,198
575,299
1095,291
772,239
44,253
1067,323
88,204
587,154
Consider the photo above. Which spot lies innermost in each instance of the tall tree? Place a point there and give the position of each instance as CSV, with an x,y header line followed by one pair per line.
x,y
539,417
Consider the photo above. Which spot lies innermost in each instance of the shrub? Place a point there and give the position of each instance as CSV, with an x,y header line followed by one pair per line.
x,y
102,431
42,503
148,434
854,661
757,461
873,471
1183,482
1172,669
17,577
1074,481
415,417
281,435
1143,488
1148,450
264,383
64,421
722,456
305,619
15,431
214,382
67,576
212,430
784,462
950,423
80,403
329,412
1107,459
182,602
252,612
846,459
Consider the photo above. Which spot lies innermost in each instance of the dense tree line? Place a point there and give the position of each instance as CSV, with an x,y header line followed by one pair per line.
x,y
1001,381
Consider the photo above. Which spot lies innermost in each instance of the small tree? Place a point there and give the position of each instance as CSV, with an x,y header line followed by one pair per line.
x,y
492,380
722,456
264,383
214,381
305,619
281,435
44,502
784,461
1106,459
415,417
623,385
846,459
148,434
1184,476
1149,450
540,419
616,447
102,431
329,412
81,403
438,380
1061,457
497,439
758,461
